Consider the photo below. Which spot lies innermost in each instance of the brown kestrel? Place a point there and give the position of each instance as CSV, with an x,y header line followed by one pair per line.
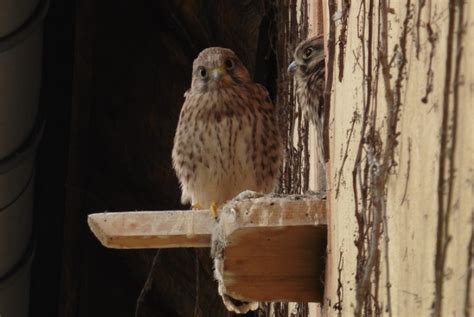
x,y
308,68
227,139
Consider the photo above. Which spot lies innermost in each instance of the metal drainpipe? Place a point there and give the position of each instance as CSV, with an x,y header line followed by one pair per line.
x,y
21,126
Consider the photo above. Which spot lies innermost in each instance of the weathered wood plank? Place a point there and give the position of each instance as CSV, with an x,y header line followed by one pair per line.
x,y
420,197
193,228
153,229
272,249
269,264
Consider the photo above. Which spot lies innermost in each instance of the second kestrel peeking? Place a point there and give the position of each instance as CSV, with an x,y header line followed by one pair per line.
x,y
308,69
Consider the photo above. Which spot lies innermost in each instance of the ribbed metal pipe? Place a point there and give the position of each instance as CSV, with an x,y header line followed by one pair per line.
x,y
21,33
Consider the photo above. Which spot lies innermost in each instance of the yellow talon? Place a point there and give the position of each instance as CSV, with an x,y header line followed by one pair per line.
x,y
196,206
214,210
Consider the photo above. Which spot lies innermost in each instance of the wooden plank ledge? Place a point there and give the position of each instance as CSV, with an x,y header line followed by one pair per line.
x,y
193,228
265,248
153,229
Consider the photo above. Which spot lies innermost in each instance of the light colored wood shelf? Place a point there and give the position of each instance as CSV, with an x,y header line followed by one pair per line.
x,y
153,229
267,248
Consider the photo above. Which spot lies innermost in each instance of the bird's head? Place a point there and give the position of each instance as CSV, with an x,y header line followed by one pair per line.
x,y
216,68
308,54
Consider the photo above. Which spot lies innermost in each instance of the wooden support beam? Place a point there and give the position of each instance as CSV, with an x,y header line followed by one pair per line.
x,y
153,229
276,264
269,248
272,249
193,228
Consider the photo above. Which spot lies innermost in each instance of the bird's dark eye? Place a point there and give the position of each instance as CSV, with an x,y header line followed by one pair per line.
x,y
308,52
202,72
229,64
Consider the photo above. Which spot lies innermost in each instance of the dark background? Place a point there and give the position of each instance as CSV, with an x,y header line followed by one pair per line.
x,y
55,101
114,74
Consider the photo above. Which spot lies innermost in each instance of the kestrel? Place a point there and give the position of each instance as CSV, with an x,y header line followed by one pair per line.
x,y
227,139
308,68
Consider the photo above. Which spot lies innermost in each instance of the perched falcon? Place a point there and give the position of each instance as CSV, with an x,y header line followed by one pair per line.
x,y
227,139
308,70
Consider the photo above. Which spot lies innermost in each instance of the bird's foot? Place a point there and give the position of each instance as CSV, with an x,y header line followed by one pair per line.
x,y
214,210
196,206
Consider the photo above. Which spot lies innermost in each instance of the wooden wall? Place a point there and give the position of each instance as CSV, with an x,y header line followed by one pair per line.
x,y
401,158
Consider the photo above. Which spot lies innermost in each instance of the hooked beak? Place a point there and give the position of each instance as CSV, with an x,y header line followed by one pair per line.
x,y
292,67
217,73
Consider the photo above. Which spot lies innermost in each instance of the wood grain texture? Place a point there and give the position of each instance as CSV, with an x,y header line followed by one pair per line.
x,y
403,282
193,228
153,229
274,246
273,249
276,264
